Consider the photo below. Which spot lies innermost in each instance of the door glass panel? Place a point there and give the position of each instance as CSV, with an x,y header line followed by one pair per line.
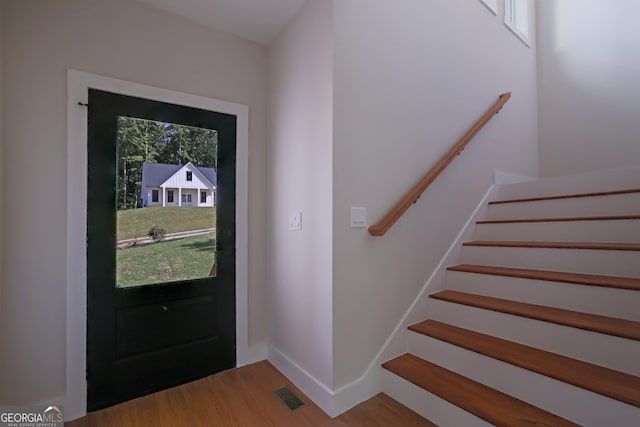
x,y
165,201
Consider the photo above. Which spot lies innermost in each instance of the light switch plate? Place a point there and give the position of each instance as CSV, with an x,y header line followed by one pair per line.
x,y
295,221
358,217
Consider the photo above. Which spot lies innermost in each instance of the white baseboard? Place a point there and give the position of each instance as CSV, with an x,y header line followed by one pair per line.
x,y
364,388
315,390
331,402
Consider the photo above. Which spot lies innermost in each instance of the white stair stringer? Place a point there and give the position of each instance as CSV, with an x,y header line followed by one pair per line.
x,y
565,400
584,261
614,204
600,231
603,301
430,406
620,354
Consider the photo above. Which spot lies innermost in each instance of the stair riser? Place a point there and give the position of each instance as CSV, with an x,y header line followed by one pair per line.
x,y
613,352
585,183
618,303
611,231
570,402
585,261
620,204
430,406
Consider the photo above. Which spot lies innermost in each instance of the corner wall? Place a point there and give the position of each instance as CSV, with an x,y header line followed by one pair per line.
x,y
300,105
127,40
410,78
588,68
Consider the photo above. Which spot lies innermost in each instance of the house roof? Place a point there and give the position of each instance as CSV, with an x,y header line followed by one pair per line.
x,y
210,174
155,174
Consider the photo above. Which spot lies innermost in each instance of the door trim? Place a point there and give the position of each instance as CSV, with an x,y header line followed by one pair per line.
x,y
78,84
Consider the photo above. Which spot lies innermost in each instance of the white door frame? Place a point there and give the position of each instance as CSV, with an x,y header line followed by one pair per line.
x,y
79,83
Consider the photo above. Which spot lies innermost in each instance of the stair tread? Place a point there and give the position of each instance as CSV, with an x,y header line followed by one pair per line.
x,y
556,245
614,384
591,322
566,196
561,219
482,401
552,276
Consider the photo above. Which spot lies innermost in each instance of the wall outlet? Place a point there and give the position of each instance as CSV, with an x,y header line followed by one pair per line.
x,y
295,221
358,217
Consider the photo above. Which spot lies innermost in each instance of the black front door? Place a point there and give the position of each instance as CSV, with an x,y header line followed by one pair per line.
x,y
160,273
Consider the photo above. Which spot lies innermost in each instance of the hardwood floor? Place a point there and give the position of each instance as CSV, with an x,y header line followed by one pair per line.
x,y
243,397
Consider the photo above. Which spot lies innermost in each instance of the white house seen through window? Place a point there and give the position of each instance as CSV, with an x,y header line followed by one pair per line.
x,y
162,169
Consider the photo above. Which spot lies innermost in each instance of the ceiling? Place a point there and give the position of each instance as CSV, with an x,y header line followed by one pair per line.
x,y
256,20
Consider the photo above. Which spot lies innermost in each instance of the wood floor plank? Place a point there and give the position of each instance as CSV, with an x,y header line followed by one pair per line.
x,y
484,402
551,276
568,196
614,384
369,413
556,245
591,322
561,219
239,398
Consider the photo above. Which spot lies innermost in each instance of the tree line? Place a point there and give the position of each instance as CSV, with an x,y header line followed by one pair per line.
x,y
140,141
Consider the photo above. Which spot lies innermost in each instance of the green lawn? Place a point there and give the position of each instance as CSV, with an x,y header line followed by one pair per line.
x,y
168,261
137,222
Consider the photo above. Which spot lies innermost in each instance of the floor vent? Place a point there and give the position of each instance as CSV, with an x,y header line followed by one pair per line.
x,y
289,399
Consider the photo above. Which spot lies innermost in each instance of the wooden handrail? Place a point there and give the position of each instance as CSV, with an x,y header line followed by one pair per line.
x,y
412,196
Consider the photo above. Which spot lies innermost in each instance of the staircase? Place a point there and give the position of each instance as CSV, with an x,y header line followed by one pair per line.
x,y
540,323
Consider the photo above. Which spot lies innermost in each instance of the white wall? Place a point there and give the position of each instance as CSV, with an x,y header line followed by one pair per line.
x,y
588,65
300,144
411,76
126,40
